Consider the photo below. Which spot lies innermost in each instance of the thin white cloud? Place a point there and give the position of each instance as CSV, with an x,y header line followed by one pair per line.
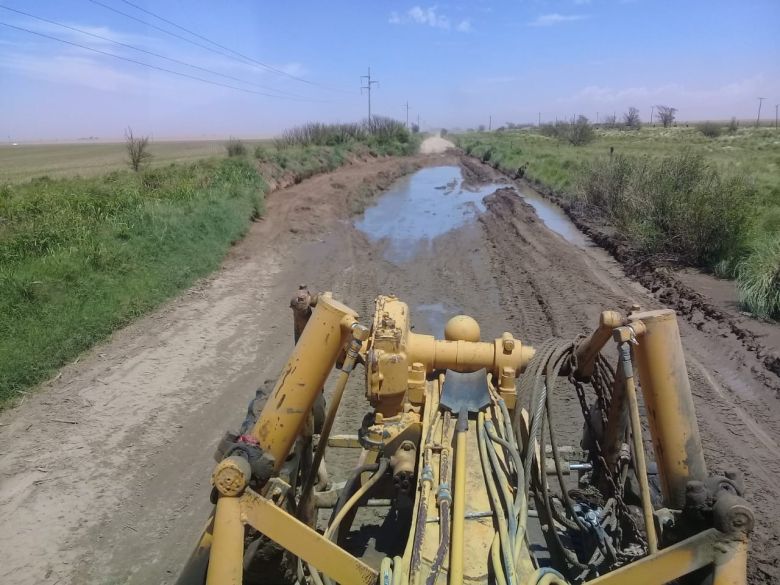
x,y
464,26
581,2
693,102
555,18
429,16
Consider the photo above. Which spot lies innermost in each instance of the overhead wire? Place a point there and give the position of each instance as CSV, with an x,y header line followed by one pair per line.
x,y
152,53
230,54
142,63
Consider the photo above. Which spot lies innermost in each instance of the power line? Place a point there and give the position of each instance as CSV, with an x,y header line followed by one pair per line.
x,y
367,86
149,65
172,60
231,54
208,40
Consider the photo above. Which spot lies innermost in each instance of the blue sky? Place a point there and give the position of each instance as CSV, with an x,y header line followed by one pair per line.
x,y
455,62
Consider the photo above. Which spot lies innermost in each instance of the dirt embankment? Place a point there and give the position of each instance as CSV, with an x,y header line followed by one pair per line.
x,y
660,277
104,473
549,287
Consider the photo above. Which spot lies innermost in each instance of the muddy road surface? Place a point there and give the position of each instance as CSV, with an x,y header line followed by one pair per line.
x,y
104,472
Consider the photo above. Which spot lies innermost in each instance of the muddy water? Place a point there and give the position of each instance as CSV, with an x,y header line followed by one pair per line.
x,y
436,200
421,207
554,218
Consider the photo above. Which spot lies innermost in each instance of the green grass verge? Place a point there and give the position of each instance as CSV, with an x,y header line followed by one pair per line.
x,y
714,202
81,257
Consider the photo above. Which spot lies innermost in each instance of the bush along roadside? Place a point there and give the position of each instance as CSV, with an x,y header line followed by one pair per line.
x,y
647,258
680,207
82,257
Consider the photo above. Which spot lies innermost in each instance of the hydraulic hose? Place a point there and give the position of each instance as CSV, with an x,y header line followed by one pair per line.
x,y
495,501
521,498
426,479
359,333
639,448
444,498
362,491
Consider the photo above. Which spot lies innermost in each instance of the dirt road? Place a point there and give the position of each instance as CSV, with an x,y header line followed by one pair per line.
x,y
104,473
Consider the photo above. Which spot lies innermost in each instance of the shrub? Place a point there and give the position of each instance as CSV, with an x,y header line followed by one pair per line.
x,y
631,119
666,115
733,126
709,129
319,134
610,121
677,205
235,147
580,131
137,150
576,132
758,278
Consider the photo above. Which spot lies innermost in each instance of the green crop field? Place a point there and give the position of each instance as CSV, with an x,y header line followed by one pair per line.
x,y
25,161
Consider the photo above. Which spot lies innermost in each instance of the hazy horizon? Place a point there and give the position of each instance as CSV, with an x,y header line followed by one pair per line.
x,y
456,63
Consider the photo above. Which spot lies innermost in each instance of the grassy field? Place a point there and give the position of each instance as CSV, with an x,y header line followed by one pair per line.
x,y
22,162
713,202
82,256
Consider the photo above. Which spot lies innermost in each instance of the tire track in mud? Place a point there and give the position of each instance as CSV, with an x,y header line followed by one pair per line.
x,y
738,415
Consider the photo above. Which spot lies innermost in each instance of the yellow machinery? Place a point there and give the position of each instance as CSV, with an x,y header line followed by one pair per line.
x,y
459,459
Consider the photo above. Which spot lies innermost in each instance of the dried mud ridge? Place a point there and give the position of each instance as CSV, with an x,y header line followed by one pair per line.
x,y
656,276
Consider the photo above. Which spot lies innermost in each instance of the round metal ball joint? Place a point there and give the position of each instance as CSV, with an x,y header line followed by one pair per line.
x,y
462,328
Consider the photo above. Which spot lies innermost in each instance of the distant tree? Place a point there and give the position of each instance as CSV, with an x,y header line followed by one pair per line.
x,y
666,115
415,129
610,121
511,125
733,126
235,147
481,128
631,119
580,131
137,149
709,129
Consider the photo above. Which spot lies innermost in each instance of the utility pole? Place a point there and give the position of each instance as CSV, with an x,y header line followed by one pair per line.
x,y
540,120
652,110
490,123
407,113
597,117
367,86
758,118
418,121
776,105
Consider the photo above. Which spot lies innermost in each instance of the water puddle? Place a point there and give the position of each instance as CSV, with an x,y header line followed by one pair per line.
x,y
554,218
436,200
420,207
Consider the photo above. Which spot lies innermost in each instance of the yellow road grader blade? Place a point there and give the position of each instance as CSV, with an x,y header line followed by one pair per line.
x,y
459,448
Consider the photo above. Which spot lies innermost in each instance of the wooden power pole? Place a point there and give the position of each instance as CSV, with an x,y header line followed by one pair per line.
x,y
367,86
758,118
